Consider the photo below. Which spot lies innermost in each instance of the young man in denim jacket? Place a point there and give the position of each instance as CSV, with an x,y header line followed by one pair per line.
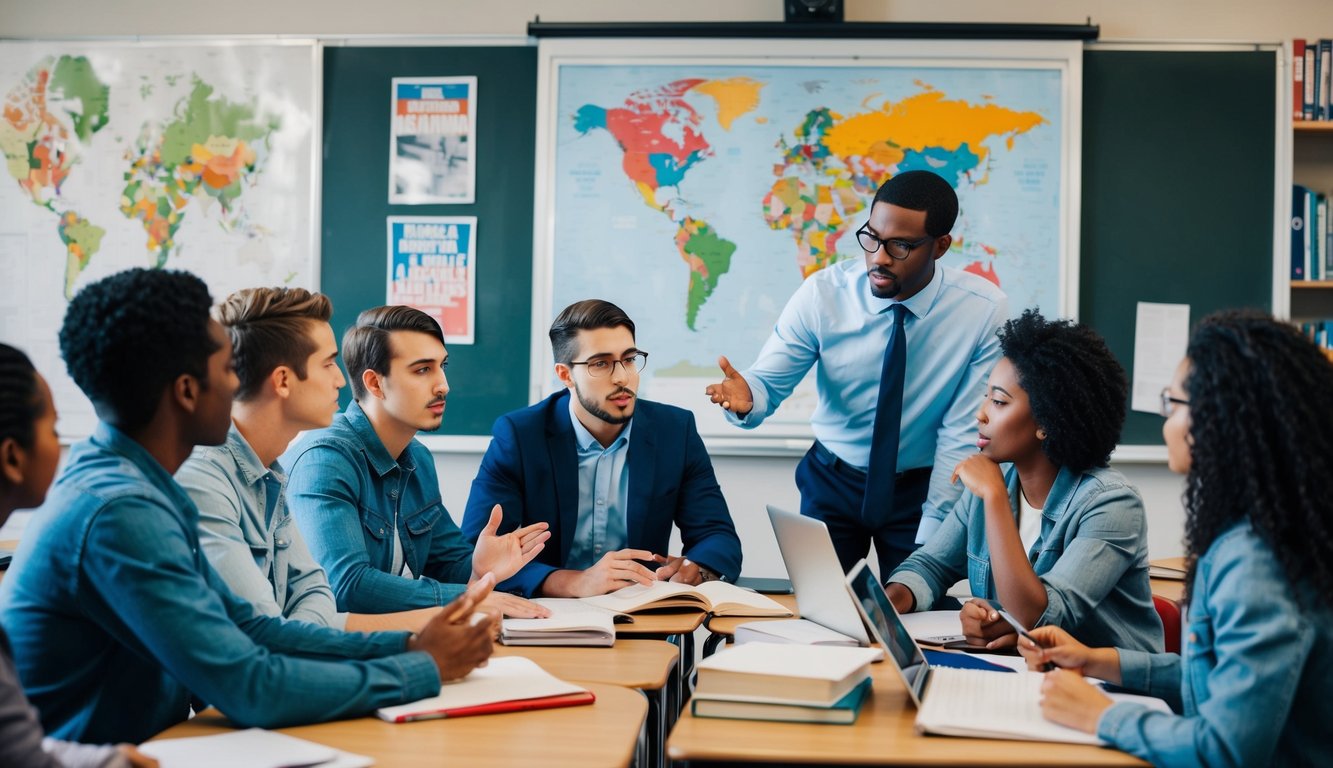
x,y
364,491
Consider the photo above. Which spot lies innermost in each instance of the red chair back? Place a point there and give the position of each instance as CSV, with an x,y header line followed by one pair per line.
x,y
1169,613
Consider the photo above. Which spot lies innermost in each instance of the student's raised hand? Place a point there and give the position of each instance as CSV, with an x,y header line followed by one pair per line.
x,y
136,758
456,642
980,475
1068,699
615,570
515,607
982,626
678,569
505,555
733,392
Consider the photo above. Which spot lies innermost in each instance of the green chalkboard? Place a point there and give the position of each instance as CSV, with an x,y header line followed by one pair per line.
x,y
1178,191
490,377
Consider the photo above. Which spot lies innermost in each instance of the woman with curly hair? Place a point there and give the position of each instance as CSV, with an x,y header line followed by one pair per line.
x,y
1057,536
1246,425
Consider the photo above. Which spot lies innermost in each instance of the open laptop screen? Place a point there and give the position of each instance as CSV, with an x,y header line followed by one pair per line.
x,y
887,628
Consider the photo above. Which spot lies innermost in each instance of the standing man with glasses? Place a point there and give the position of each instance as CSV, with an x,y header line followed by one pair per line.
x,y
903,350
610,473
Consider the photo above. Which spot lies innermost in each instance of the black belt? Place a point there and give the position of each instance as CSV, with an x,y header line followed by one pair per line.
x,y
831,460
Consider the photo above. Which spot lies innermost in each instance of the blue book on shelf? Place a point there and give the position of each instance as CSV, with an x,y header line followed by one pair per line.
x,y
1299,239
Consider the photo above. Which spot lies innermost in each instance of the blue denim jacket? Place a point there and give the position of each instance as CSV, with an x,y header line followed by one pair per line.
x,y
1092,559
346,491
1254,679
118,622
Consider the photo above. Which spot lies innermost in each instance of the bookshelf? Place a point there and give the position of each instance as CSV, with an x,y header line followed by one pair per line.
x,y
1312,166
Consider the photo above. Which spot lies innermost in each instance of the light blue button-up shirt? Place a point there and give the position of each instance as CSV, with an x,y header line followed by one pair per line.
x,y
249,535
834,323
603,495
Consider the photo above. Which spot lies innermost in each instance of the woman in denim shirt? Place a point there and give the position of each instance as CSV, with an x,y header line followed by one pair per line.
x,y
1247,424
1057,538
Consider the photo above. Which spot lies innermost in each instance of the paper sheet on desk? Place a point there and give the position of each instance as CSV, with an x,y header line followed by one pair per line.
x,y
932,623
252,747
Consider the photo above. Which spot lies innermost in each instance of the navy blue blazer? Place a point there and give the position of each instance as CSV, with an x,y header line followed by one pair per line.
x,y
531,471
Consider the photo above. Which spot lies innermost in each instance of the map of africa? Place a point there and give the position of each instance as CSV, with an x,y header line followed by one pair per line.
x,y
698,198
194,158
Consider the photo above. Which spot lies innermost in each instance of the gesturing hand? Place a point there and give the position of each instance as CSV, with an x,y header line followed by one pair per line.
x,y
505,555
733,392
456,642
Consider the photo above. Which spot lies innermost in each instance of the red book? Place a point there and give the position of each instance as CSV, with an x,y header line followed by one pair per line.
x,y
1298,79
495,708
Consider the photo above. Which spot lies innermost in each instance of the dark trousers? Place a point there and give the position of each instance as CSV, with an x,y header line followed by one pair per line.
x,y
832,491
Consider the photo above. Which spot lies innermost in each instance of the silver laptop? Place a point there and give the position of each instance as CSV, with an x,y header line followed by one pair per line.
x,y
816,574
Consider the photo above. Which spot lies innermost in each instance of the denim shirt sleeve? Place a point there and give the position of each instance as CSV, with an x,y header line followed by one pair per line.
x,y
1107,539
956,438
1246,649
143,580
940,562
223,539
324,493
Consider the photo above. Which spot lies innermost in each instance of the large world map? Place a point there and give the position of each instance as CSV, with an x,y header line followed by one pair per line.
x,y
189,157
698,198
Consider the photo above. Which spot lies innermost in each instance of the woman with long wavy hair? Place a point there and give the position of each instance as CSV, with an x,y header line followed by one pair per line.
x,y
1249,424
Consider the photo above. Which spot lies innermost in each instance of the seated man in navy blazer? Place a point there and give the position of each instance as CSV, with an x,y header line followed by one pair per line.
x,y
609,473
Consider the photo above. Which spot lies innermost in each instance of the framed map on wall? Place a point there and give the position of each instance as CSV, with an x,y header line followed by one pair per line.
x,y
180,155
696,183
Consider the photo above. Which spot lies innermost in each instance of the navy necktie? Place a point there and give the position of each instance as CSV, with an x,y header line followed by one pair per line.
x,y
881,477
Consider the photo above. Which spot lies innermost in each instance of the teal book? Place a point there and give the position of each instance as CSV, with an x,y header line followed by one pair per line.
x,y
843,711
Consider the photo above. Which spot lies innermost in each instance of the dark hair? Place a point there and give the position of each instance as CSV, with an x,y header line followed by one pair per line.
x,y
1262,444
1075,386
127,337
366,344
585,315
923,191
20,402
269,327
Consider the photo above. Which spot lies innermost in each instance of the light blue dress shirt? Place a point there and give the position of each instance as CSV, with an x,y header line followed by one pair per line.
x,y
249,535
834,323
603,495
1252,684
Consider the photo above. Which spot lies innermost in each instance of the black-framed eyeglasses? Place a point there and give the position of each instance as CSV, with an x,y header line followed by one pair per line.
x,y
897,248
603,366
1169,403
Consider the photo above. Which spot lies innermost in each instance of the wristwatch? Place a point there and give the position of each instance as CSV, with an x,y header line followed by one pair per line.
x,y
707,574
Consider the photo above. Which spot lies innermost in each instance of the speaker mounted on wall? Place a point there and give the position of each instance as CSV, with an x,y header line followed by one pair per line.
x,y
812,10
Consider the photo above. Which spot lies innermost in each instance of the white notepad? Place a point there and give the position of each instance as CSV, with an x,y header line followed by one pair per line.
x,y
252,747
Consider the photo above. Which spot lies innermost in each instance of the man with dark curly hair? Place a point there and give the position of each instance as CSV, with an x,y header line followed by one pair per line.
x,y
118,623
1057,536
900,347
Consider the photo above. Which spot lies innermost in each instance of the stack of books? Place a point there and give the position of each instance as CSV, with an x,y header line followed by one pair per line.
x,y
791,683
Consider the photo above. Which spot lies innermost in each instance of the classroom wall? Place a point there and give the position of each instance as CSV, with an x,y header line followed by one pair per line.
x,y
748,482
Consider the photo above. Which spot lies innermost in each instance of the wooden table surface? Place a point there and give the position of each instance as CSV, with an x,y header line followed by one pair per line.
x,y
602,734
645,664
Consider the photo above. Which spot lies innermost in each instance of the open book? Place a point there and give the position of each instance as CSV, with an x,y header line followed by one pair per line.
x,y
253,747
718,597
572,622
505,684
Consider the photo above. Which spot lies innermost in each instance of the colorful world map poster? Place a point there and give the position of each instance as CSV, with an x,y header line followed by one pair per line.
x,y
697,195
197,157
